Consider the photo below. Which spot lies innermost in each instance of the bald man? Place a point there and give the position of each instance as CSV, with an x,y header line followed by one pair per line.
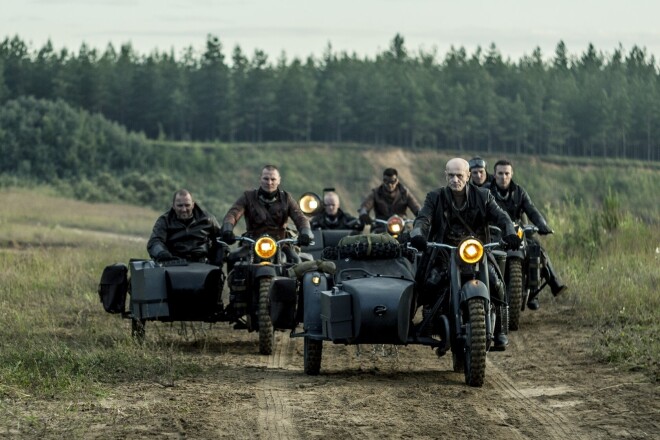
x,y
456,211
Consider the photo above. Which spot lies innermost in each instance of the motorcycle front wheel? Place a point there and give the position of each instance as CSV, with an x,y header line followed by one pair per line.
x,y
514,292
475,343
266,333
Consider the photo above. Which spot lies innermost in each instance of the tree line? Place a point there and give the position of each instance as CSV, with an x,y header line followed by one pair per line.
x,y
594,104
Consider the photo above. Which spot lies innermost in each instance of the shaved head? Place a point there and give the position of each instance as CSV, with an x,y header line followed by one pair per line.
x,y
457,172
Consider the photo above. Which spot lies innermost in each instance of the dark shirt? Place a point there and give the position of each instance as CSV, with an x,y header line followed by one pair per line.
x,y
339,221
386,204
190,239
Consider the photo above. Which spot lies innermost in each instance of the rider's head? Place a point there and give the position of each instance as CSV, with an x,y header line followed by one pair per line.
x,y
478,172
457,172
270,178
183,204
503,173
331,203
390,179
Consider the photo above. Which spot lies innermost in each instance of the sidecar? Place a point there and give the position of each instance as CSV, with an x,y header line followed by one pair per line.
x,y
370,299
177,291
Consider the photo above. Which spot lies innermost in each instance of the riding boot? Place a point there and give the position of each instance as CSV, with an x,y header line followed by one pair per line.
x,y
550,275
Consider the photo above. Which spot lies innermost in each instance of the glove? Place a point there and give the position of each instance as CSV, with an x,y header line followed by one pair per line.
x,y
419,242
545,230
304,239
165,256
365,219
512,241
228,234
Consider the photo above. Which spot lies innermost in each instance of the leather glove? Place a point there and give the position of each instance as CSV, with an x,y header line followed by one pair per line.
x,y
227,234
304,239
365,219
545,230
419,242
512,241
165,256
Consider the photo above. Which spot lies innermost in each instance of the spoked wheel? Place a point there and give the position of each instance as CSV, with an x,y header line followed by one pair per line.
x,y
514,290
312,355
475,343
138,329
266,333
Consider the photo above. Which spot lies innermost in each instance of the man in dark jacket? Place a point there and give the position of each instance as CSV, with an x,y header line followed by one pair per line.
x,y
184,231
478,174
515,201
266,211
455,212
333,217
388,199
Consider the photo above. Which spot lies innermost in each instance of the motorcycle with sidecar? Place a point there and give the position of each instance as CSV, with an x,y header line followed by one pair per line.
x,y
180,290
373,298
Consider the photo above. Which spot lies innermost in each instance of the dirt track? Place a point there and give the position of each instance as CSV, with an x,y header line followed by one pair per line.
x,y
545,386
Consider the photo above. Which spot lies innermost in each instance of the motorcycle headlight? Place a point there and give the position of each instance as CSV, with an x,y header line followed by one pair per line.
x,y
519,232
395,225
265,247
471,250
310,203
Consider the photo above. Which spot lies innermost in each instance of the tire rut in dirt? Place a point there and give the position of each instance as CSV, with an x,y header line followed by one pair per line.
x,y
275,419
548,424
514,292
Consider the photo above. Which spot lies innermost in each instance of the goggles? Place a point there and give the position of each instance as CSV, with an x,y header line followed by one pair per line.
x,y
477,163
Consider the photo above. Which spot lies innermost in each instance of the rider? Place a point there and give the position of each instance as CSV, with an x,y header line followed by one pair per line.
x,y
267,210
455,212
333,217
478,174
184,231
515,201
388,199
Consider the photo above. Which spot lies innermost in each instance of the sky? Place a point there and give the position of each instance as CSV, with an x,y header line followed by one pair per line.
x,y
302,28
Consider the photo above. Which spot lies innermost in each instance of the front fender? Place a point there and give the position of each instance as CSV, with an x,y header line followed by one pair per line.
x,y
474,289
518,253
265,271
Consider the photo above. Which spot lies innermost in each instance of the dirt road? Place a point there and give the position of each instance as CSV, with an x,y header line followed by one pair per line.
x,y
545,386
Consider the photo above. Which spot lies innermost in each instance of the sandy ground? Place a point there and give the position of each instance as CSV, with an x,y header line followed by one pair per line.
x,y
544,386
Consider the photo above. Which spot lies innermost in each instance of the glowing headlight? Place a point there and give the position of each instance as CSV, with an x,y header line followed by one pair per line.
x,y
309,203
471,250
519,232
265,247
395,225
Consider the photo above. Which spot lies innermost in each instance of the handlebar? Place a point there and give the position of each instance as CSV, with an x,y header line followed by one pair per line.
x,y
433,244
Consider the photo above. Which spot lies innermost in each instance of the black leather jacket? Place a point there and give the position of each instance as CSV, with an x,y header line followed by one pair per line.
x,y
433,220
340,221
515,202
190,240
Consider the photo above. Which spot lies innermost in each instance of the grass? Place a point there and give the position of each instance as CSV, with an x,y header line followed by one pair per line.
x,y
57,340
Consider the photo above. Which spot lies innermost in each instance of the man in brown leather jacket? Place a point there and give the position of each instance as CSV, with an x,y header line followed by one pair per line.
x,y
388,199
184,231
266,211
456,211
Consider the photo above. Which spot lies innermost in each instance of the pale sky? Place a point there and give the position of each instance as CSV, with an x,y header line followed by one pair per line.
x,y
366,27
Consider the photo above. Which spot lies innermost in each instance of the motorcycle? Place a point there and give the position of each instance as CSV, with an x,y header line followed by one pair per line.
x,y
249,285
522,271
179,290
374,300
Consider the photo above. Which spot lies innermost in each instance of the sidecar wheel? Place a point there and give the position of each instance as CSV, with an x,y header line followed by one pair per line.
x,y
313,352
138,329
475,347
514,290
266,333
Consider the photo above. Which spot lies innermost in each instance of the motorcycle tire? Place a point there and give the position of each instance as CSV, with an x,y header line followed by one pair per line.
x,y
514,291
312,354
266,332
475,343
